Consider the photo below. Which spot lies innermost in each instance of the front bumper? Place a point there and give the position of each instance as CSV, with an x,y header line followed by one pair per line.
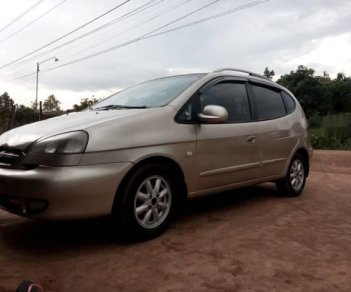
x,y
70,192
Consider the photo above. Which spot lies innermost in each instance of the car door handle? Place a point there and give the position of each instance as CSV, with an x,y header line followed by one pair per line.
x,y
251,139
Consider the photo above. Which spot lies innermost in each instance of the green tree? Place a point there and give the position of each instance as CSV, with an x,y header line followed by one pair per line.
x,y
6,102
51,104
7,107
340,90
341,77
268,73
25,115
84,103
311,91
319,95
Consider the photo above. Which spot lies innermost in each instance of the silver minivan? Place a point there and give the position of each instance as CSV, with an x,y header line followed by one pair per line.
x,y
141,152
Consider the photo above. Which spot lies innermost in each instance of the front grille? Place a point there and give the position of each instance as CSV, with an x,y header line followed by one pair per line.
x,y
9,157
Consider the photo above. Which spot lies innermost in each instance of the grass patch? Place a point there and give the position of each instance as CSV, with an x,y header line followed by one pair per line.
x,y
331,132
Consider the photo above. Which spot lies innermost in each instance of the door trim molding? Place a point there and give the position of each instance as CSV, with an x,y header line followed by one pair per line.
x,y
265,162
229,169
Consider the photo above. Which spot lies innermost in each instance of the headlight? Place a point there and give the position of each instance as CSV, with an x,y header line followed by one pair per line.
x,y
68,143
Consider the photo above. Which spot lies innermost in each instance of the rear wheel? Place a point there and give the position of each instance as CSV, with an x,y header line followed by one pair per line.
x,y
146,203
294,182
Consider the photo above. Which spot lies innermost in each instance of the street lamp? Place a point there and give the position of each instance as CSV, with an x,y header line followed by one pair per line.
x,y
36,88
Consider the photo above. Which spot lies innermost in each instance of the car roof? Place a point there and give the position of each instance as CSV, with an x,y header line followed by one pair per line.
x,y
241,73
235,74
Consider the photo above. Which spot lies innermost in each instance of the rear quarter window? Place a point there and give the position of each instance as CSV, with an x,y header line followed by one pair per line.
x,y
289,102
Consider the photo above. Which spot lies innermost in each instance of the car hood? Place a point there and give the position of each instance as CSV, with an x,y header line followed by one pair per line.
x,y
20,138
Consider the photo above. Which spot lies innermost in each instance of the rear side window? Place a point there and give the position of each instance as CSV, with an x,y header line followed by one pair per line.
x,y
232,96
269,103
289,102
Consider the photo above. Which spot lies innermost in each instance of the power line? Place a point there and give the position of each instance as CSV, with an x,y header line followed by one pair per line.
x,y
139,9
67,34
153,34
21,15
127,15
120,18
134,40
180,18
33,21
159,14
243,7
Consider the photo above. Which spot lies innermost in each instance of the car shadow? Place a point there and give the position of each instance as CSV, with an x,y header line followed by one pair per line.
x,y
229,200
30,236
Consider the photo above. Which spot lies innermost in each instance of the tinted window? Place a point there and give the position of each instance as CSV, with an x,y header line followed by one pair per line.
x,y
269,103
232,96
289,102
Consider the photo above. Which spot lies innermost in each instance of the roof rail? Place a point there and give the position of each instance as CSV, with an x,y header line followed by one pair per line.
x,y
242,71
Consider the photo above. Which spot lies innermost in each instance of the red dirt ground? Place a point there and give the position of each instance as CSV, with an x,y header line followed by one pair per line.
x,y
244,240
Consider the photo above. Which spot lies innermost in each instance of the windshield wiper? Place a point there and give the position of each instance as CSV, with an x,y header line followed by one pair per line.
x,y
117,106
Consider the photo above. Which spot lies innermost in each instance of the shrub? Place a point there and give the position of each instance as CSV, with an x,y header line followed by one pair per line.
x,y
331,132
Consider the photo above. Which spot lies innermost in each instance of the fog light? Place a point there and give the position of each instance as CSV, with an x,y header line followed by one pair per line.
x,y
22,205
34,206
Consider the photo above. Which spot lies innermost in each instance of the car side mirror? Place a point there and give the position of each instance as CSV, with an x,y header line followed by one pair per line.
x,y
213,114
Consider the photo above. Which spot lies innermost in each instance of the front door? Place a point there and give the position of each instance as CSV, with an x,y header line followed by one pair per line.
x,y
227,153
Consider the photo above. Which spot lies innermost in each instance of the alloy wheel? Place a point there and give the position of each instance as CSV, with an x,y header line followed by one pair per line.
x,y
152,202
297,174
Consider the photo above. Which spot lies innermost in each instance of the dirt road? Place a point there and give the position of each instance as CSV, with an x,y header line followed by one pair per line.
x,y
245,240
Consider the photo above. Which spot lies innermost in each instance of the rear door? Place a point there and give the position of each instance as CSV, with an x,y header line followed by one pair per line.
x,y
275,128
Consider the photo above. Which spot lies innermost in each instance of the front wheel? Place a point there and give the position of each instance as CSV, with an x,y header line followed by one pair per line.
x,y
146,203
294,182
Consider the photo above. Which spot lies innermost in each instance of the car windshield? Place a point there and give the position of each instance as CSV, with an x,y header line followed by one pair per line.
x,y
154,93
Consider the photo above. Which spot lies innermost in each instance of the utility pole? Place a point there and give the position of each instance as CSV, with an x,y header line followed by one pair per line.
x,y
36,88
37,82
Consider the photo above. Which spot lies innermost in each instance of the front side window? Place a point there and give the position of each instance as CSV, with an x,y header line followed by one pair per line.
x,y
154,93
269,103
232,96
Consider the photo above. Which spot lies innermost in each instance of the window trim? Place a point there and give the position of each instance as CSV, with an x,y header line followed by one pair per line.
x,y
195,98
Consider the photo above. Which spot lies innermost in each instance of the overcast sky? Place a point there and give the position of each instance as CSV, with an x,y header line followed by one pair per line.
x,y
280,34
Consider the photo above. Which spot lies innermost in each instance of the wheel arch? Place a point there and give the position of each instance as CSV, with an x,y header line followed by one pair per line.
x,y
155,160
304,153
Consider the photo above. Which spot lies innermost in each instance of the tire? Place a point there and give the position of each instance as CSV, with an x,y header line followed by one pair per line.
x,y
293,183
146,202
